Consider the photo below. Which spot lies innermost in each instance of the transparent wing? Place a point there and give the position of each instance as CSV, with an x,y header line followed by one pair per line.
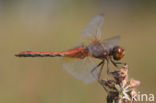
x,y
111,42
93,29
96,48
80,68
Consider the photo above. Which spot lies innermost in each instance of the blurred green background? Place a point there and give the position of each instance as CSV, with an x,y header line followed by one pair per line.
x,y
56,25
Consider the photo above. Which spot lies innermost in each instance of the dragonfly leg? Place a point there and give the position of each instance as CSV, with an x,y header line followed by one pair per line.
x,y
107,66
113,63
116,63
92,71
99,73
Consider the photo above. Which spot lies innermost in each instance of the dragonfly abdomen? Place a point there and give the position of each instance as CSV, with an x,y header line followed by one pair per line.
x,y
79,52
38,54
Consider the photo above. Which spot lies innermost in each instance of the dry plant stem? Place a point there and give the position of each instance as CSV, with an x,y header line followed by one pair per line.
x,y
120,89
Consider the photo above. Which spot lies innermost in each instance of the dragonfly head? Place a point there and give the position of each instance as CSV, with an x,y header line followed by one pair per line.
x,y
118,52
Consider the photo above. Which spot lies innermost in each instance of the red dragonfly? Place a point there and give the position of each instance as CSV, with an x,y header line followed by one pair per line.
x,y
79,60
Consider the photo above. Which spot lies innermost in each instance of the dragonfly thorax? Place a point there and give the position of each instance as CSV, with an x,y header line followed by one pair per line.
x,y
98,50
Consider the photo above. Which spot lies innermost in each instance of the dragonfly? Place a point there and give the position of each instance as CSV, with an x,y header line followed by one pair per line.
x,y
80,61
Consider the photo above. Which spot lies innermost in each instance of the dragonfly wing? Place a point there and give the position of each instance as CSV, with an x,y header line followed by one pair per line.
x,y
96,48
111,42
80,68
93,29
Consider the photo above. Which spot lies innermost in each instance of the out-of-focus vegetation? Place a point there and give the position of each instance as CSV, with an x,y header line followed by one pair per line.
x,y
55,25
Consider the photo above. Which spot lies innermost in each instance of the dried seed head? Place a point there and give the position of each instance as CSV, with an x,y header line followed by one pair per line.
x,y
121,75
109,84
134,83
120,89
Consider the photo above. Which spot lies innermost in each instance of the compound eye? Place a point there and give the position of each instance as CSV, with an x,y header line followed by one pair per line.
x,y
118,53
119,50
